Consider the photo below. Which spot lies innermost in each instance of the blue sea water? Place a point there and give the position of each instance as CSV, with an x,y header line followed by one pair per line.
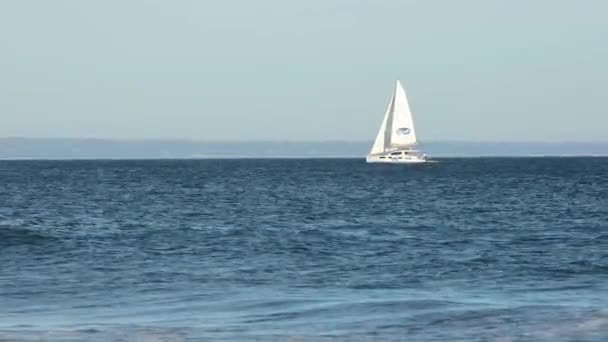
x,y
481,249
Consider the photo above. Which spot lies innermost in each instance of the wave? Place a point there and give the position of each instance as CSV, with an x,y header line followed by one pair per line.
x,y
553,324
13,235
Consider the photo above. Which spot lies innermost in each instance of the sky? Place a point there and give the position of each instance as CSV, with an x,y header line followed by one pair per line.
x,y
479,70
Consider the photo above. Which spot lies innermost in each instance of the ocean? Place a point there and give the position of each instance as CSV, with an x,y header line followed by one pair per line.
x,y
470,249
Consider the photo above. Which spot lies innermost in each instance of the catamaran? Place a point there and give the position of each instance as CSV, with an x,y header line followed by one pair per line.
x,y
396,139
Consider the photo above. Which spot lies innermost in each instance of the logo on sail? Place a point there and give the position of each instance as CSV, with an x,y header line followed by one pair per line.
x,y
403,131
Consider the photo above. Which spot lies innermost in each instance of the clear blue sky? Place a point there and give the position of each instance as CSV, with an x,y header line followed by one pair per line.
x,y
303,70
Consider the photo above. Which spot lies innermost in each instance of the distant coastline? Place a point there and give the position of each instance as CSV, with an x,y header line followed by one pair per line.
x,y
75,148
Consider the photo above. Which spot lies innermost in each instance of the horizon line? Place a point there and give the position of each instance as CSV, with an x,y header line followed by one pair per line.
x,y
192,140
302,157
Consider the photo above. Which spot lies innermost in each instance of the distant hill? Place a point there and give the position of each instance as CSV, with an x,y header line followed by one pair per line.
x,y
51,148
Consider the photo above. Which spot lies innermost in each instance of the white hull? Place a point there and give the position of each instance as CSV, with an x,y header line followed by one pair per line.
x,y
396,159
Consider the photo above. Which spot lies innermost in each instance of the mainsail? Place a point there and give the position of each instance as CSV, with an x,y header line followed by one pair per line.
x,y
397,129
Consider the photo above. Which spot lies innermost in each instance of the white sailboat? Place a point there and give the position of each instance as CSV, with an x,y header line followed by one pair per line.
x,y
396,138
